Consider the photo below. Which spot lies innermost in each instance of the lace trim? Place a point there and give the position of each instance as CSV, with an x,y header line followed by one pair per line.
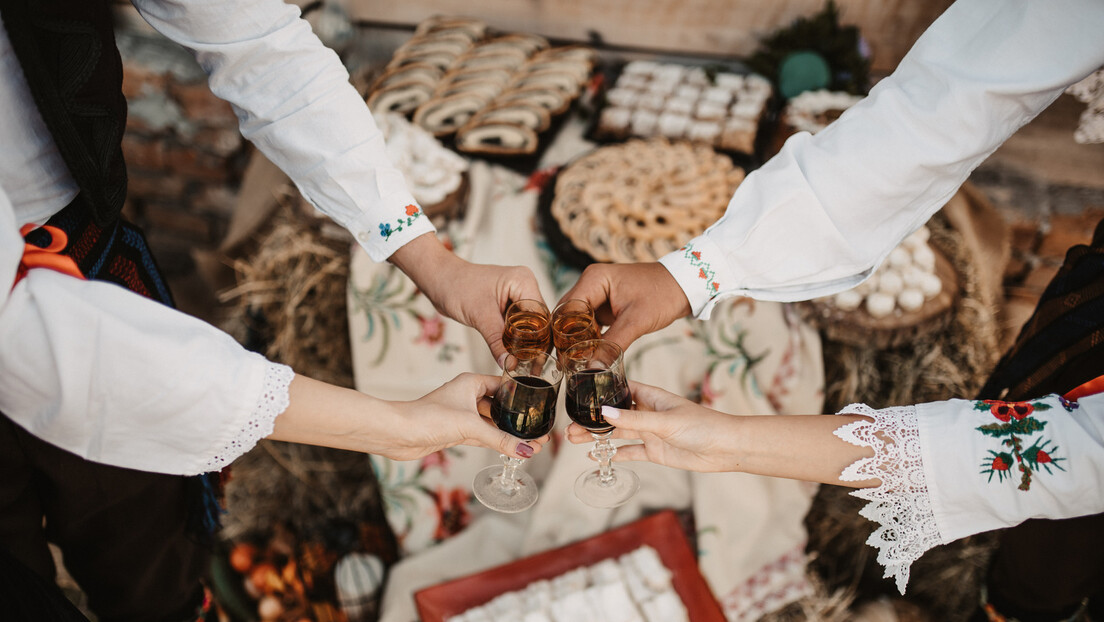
x,y
900,504
274,400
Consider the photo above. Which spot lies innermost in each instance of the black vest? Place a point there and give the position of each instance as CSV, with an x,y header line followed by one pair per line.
x,y
69,58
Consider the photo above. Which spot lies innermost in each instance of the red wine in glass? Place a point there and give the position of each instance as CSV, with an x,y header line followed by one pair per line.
x,y
590,389
528,411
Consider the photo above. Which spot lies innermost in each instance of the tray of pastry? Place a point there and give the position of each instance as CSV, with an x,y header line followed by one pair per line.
x,y
912,293
642,572
635,201
482,92
722,106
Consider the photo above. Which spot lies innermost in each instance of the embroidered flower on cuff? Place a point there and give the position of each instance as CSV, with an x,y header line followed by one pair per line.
x,y
413,213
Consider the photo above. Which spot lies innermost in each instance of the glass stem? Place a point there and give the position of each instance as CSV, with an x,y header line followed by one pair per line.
x,y
508,479
603,452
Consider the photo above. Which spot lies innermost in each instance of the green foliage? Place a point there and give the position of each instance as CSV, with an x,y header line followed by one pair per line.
x,y
821,33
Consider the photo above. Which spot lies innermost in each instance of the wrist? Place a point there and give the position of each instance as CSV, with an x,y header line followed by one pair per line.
x,y
426,261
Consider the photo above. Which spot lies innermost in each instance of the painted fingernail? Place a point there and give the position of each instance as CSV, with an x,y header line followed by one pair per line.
x,y
609,412
524,450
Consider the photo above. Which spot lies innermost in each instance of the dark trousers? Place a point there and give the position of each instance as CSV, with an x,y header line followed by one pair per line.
x,y
124,534
1044,569
135,542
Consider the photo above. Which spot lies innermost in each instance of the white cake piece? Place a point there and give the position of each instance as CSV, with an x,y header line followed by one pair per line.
x,y
637,82
644,122
711,111
732,82
613,602
717,95
652,101
673,125
880,304
931,285
605,571
616,117
912,275
669,73
640,67
910,299
665,607
703,130
680,105
747,109
507,605
537,596
924,257
696,76
847,300
891,282
688,91
646,560
572,607
917,238
626,98
574,580
899,258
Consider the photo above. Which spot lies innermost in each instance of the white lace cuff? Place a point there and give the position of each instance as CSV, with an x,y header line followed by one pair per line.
x,y
900,504
274,400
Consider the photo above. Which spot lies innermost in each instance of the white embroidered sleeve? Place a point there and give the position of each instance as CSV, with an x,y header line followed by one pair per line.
x,y
901,504
274,400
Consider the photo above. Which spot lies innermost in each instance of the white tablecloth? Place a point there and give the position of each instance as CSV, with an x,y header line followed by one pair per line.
x,y
750,358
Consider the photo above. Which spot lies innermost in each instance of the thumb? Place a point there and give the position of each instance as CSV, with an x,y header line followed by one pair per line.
x,y
623,332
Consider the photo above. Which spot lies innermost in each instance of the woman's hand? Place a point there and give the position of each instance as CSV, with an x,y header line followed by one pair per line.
x,y
453,414
473,294
676,432
457,413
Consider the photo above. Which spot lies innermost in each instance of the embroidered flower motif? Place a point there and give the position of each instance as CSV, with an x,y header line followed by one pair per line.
x,y
452,512
705,270
1016,424
413,212
433,330
1069,405
1006,411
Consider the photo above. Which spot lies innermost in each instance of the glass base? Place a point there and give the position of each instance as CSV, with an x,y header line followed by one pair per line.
x,y
502,496
591,490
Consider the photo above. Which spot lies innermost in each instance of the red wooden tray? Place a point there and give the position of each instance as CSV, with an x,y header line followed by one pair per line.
x,y
661,531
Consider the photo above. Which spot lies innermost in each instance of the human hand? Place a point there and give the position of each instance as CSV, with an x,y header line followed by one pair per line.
x,y
675,432
473,294
456,413
632,299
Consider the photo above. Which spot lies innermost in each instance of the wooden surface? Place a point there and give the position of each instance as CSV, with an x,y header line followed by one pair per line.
x,y
728,28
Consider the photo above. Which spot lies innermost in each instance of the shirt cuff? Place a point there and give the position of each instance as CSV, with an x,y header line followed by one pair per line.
x,y
702,272
402,221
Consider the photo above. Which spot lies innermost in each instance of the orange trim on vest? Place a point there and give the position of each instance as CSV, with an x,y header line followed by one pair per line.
x,y
48,257
1092,387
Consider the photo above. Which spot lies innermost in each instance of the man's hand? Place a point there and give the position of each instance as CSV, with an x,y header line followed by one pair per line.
x,y
632,299
473,294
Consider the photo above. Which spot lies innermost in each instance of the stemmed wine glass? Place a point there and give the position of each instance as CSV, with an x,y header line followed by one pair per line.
x,y
528,326
594,376
573,321
524,405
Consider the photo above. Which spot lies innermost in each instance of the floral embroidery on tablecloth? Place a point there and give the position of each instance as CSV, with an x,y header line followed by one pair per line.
x,y
705,269
413,212
1016,426
387,299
